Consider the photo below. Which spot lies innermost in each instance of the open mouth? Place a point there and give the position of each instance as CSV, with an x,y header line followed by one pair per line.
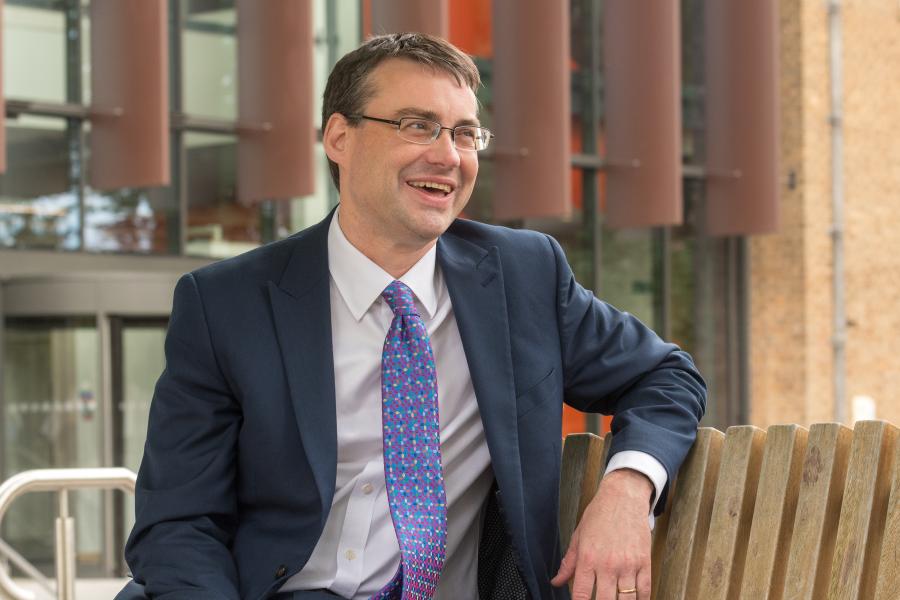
x,y
432,188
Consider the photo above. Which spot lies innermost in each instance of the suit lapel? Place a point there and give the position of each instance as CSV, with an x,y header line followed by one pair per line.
x,y
301,308
475,281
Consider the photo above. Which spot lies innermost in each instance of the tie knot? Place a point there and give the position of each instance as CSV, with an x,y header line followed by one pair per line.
x,y
400,298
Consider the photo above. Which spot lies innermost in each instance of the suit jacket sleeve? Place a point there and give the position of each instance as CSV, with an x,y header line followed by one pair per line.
x,y
614,364
185,506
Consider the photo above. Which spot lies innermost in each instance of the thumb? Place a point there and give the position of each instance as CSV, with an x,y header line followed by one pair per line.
x,y
567,566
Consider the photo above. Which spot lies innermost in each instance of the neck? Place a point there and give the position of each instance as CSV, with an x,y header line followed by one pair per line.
x,y
395,257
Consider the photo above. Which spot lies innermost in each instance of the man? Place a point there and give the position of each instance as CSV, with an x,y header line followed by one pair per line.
x,y
373,406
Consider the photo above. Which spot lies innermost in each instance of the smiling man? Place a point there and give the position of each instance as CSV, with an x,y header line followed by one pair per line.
x,y
372,407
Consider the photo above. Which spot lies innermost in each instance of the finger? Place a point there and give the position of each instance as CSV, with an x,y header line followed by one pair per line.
x,y
606,587
583,584
626,589
643,583
567,566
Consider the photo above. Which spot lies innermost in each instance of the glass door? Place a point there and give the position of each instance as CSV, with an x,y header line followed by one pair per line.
x,y
52,419
137,361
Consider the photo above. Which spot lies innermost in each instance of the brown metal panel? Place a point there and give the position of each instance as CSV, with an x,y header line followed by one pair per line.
x,y
275,99
394,16
742,145
531,118
130,91
642,87
2,101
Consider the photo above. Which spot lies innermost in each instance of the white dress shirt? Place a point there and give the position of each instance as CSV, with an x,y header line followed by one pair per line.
x,y
358,552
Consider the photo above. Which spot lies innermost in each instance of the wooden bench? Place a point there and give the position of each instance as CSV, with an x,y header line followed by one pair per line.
x,y
783,514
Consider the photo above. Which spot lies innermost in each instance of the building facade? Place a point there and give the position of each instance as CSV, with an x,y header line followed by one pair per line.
x,y
87,274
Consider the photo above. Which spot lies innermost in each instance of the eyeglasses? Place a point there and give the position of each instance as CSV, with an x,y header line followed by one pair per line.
x,y
423,131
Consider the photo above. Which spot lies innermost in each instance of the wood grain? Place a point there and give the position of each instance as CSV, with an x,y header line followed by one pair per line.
x,y
776,500
689,518
862,518
815,526
732,513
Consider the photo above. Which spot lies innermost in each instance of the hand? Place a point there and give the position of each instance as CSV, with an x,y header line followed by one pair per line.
x,y
611,544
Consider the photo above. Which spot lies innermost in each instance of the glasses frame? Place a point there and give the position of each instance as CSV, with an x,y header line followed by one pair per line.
x,y
399,125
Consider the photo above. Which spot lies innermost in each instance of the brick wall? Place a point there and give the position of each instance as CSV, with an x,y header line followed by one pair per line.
x,y
791,271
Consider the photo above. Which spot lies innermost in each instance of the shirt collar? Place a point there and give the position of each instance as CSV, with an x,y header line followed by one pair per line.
x,y
360,281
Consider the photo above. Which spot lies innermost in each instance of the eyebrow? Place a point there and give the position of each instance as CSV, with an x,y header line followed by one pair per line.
x,y
412,111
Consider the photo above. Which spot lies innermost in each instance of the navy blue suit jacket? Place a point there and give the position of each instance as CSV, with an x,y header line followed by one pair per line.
x,y
238,474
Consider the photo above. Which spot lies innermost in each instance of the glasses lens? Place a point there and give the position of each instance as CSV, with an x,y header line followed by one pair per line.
x,y
471,138
418,131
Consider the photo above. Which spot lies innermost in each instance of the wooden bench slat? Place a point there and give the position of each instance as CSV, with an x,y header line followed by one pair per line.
x,y
582,465
860,529
689,518
815,528
732,512
776,501
889,566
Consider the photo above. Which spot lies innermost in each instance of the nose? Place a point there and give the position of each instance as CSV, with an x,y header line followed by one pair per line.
x,y
443,150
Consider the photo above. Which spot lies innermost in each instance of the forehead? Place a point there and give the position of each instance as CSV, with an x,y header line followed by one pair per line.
x,y
399,82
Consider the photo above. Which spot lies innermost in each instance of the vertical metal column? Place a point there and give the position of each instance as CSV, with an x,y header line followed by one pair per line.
x,y
177,231
74,95
65,550
839,336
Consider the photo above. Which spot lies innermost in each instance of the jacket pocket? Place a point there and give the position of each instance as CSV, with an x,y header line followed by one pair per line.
x,y
536,394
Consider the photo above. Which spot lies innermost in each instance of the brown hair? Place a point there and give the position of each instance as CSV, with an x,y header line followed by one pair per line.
x,y
348,88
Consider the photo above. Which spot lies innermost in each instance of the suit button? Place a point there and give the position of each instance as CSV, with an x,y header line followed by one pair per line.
x,y
280,571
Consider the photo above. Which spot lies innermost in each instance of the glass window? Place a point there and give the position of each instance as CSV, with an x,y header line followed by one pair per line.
x,y
218,225
39,204
628,272
134,220
209,67
309,210
34,41
52,419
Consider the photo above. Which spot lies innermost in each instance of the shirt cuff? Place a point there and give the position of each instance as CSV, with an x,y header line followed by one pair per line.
x,y
645,464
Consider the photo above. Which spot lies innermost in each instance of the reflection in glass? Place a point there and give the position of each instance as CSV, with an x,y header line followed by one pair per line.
x,y
627,272
209,71
141,361
52,419
34,42
309,210
139,220
38,204
218,225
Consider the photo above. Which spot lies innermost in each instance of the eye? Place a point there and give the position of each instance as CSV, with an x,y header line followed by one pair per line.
x,y
417,125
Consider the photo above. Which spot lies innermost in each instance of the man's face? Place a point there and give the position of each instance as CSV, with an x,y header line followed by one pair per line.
x,y
382,174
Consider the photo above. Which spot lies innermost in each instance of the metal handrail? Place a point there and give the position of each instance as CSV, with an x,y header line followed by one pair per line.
x,y
47,587
60,481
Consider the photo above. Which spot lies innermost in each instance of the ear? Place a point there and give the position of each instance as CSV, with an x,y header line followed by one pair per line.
x,y
334,138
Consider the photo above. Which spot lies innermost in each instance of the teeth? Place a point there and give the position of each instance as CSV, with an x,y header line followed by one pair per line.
x,y
430,184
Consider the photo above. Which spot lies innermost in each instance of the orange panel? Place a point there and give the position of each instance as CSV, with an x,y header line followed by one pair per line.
x,y
130,90
532,112
573,421
470,27
742,142
395,16
642,91
275,99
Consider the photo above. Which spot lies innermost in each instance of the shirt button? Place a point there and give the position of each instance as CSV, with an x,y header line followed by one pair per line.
x,y
349,554
367,488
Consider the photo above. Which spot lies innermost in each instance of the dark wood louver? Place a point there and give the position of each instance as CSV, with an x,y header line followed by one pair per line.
x,y
277,132
532,116
742,144
129,140
642,87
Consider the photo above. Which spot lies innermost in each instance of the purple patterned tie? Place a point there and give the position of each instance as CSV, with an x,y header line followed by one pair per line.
x,y
412,453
